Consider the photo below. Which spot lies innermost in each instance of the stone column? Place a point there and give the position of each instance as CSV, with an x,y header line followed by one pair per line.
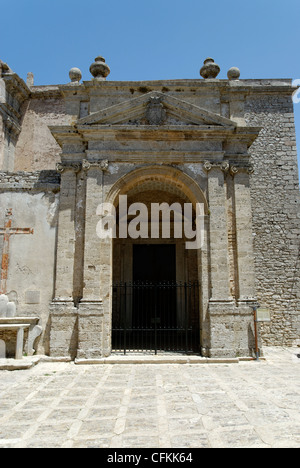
x,y
92,327
63,335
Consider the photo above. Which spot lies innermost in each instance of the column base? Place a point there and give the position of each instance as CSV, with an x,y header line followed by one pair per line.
x,y
231,330
91,331
64,329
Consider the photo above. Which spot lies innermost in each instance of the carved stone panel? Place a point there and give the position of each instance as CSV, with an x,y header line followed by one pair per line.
x,y
155,113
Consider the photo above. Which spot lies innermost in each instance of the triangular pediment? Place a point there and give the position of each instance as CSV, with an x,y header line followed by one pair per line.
x,y
155,108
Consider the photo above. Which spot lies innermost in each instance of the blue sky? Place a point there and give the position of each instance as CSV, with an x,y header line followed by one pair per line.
x,y
157,39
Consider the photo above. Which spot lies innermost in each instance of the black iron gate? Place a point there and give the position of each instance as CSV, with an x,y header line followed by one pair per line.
x,y
156,316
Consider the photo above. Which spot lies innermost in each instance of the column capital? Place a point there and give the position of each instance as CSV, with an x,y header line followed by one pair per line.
x,y
65,166
223,166
100,164
228,167
246,168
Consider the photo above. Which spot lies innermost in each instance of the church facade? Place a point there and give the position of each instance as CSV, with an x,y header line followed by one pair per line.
x,y
225,149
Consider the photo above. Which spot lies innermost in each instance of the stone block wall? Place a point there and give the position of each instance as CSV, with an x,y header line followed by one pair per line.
x,y
276,215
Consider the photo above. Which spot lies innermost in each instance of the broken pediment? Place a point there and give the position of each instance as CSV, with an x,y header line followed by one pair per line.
x,y
156,109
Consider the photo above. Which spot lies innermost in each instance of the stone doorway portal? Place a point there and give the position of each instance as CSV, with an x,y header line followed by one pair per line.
x,y
156,280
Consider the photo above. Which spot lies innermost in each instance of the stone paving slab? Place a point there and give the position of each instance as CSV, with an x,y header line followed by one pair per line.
x,y
252,404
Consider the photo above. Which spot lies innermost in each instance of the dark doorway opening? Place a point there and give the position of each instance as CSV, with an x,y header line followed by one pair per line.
x,y
154,312
154,265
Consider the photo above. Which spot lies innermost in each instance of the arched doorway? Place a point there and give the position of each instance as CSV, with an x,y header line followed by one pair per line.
x,y
156,303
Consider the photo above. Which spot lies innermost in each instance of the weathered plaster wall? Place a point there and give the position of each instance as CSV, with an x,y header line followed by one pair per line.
x,y
36,148
31,257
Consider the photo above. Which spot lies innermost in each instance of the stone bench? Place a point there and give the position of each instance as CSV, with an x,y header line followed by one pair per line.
x,y
20,324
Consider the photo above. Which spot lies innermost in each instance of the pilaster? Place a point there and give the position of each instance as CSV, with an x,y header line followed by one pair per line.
x,y
219,259
92,250
244,235
63,313
230,322
66,233
93,313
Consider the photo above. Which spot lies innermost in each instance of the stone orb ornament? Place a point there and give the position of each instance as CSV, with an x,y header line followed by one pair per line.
x,y
233,73
3,305
7,308
75,75
99,69
210,69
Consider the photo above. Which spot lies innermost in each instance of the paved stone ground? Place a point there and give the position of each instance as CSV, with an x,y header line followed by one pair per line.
x,y
158,406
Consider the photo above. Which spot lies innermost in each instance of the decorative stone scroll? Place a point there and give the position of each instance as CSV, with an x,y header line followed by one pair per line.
x,y
85,165
226,167
62,167
102,164
33,335
249,169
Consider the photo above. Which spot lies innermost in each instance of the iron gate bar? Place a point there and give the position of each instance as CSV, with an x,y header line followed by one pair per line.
x,y
156,316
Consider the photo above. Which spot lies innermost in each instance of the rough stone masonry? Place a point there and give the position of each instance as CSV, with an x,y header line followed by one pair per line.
x,y
228,144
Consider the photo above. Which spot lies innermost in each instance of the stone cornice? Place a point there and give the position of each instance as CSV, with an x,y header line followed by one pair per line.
x,y
16,87
13,94
166,132
165,157
46,92
184,85
82,134
147,132
11,122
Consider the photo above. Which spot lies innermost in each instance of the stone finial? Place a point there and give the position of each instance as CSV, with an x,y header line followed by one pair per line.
x,y
99,69
30,80
75,75
233,73
210,69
